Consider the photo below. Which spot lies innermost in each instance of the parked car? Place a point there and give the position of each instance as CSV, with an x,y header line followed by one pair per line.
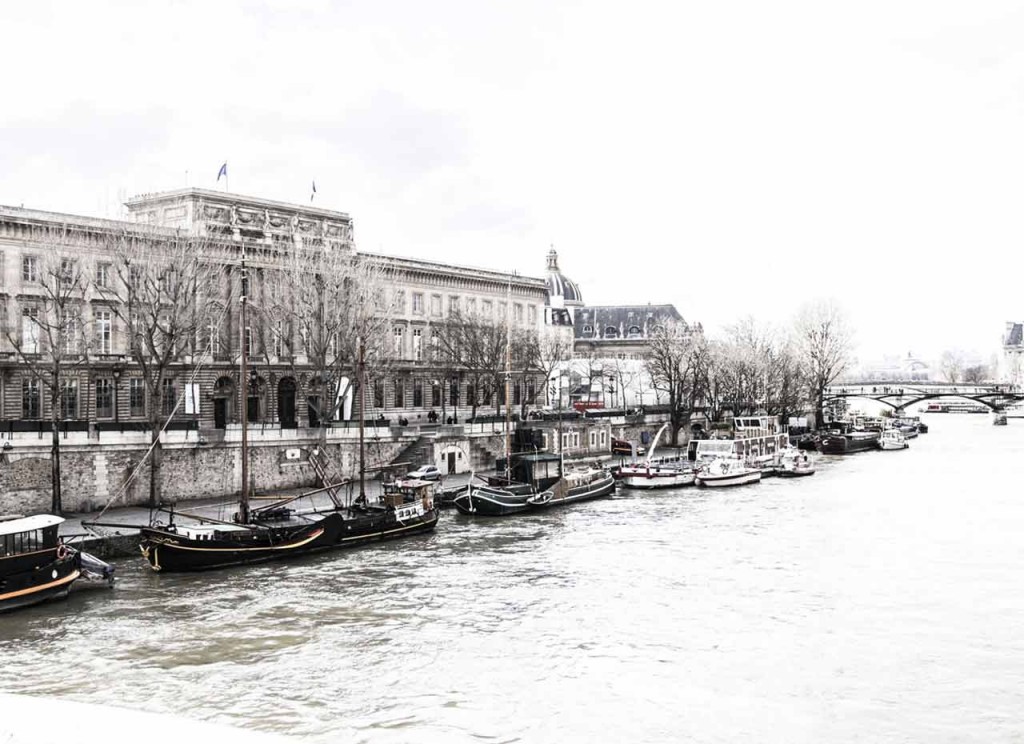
x,y
427,472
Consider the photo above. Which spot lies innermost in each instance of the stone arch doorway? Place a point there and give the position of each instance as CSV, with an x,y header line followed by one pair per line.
x,y
223,398
286,403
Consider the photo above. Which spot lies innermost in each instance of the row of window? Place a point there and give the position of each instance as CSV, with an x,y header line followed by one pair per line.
x,y
26,542
434,390
30,271
103,398
456,305
634,331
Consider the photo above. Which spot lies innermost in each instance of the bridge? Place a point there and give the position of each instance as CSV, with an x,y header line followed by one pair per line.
x,y
899,396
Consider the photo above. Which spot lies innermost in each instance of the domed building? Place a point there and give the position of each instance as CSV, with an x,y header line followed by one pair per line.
x,y
563,295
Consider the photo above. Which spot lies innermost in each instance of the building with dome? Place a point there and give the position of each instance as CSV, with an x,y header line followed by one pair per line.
x,y
608,345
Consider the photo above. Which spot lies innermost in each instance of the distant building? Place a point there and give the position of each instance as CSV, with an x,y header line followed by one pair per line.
x,y
609,343
1011,363
897,369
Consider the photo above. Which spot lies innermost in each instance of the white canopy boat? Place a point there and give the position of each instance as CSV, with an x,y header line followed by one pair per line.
x,y
727,471
657,474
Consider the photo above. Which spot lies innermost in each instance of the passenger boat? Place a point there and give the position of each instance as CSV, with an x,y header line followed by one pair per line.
x,y
653,473
277,530
906,425
752,437
794,463
892,439
36,565
727,471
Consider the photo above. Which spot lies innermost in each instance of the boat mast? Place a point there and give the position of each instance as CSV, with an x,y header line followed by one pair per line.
x,y
508,382
361,381
243,506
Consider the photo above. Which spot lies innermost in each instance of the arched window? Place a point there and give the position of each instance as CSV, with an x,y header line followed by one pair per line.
x,y
611,332
634,331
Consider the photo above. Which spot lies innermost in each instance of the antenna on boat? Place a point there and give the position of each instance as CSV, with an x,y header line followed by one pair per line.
x,y
243,506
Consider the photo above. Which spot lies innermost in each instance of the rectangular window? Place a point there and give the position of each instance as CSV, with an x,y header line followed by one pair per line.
x,y
103,332
488,308
604,438
69,399
453,393
471,306
137,396
104,398
435,395
67,271
29,268
417,345
248,341
400,301
168,397
192,398
71,334
593,439
517,313
30,398
399,338
104,273
435,305
417,393
399,393
417,303
435,346
502,310
212,338
531,315
378,394
279,339
453,305
30,330
517,396
531,390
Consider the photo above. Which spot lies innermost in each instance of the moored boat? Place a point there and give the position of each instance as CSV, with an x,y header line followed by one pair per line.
x,y
653,473
579,485
845,440
999,418
36,565
794,463
892,439
727,471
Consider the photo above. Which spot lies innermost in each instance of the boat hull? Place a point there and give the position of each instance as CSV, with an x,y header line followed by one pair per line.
x,y
709,480
845,445
26,585
598,488
658,480
491,502
166,551
794,473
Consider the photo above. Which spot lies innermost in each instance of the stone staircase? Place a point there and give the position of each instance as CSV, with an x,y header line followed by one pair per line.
x,y
417,453
481,455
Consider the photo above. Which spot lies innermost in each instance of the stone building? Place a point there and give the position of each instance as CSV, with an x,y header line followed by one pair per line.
x,y
1011,363
106,390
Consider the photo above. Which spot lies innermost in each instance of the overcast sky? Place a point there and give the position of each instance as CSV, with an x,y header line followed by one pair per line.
x,y
731,158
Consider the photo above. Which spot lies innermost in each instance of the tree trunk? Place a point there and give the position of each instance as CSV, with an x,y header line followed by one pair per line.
x,y
56,506
155,463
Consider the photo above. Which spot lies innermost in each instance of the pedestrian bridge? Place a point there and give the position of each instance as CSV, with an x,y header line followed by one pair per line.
x,y
900,396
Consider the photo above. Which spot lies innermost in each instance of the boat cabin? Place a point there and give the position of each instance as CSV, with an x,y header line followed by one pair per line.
x,y
752,437
24,535
542,469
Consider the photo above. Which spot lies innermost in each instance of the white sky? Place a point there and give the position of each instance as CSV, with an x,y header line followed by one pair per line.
x,y
729,157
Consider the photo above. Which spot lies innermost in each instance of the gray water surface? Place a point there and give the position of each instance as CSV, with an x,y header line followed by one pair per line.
x,y
879,600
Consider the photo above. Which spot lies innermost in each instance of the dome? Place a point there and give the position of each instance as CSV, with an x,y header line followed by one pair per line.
x,y
559,285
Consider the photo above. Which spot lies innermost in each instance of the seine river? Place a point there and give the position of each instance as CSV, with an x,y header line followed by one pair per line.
x,y
880,600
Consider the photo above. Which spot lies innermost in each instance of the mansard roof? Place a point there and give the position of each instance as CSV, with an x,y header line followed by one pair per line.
x,y
622,318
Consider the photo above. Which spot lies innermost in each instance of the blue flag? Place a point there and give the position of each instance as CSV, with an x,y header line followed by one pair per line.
x,y
223,171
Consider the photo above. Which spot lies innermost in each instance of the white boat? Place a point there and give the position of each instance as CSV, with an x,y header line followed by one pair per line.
x,y
999,418
657,474
752,437
794,463
727,471
892,439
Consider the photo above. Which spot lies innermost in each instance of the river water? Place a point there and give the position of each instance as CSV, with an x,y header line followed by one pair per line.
x,y
879,600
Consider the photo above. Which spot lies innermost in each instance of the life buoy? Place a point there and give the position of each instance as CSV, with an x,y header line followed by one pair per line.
x,y
62,552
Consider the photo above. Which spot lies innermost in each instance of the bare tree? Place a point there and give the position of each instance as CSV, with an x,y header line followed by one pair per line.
x,y
824,345
158,278
47,334
318,304
976,374
951,364
672,363
544,354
